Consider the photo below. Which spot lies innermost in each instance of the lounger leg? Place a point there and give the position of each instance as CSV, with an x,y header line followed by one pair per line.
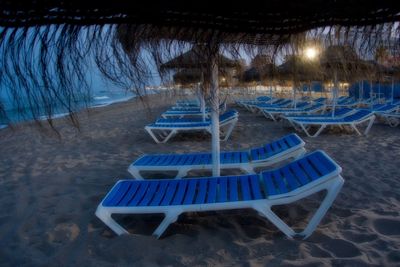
x,y
355,129
171,134
135,173
230,129
181,173
273,218
248,169
316,133
110,222
371,122
152,135
170,217
333,191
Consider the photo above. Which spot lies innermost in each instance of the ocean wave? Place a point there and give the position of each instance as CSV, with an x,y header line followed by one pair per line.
x,y
101,97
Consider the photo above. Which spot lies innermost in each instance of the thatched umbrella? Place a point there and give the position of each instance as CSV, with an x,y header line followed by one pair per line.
x,y
298,69
152,26
344,64
192,66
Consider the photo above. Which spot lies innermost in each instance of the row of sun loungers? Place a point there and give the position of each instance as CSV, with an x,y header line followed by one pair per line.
x,y
306,175
312,117
164,129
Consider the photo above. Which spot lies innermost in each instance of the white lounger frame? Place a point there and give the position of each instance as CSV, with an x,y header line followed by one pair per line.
x,y
332,183
306,126
163,134
249,167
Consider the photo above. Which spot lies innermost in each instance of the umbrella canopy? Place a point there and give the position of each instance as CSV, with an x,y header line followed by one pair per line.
x,y
259,74
196,58
297,69
344,61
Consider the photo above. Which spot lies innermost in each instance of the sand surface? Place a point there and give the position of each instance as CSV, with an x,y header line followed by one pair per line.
x,y
50,188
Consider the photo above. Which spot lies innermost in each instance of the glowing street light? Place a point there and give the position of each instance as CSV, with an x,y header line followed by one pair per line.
x,y
310,53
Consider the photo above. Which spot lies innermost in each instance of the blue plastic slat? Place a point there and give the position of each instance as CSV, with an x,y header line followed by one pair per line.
x,y
269,186
170,193
233,188
318,164
180,192
159,195
255,187
202,191
117,193
278,178
308,169
128,194
290,179
139,193
269,150
244,184
299,173
223,190
283,144
212,191
149,194
191,190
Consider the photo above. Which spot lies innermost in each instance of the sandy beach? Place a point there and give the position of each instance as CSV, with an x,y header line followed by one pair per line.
x,y
50,187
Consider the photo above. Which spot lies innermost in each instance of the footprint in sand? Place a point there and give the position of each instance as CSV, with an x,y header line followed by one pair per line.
x,y
341,248
387,226
63,232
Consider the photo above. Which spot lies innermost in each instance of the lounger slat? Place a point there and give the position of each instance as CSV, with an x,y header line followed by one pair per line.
x,y
128,195
244,184
212,191
180,193
278,179
291,180
275,147
318,165
269,150
255,187
202,191
244,157
162,188
299,173
150,193
190,192
143,160
223,190
269,185
309,170
233,188
139,193
170,193
283,144
327,163
116,194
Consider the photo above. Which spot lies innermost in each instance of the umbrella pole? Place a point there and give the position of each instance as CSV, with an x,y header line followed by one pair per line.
x,y
392,90
214,91
334,91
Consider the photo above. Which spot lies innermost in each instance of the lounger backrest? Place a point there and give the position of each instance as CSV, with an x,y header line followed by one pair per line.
x,y
263,98
358,115
230,114
310,169
275,147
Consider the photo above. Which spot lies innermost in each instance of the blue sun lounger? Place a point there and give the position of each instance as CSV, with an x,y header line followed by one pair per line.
x,y
297,180
273,114
358,117
287,147
162,132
